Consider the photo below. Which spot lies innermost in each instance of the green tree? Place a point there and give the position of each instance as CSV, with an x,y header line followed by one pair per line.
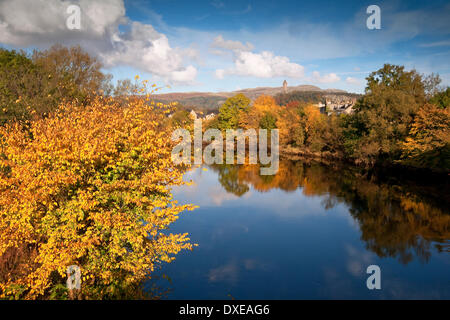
x,y
441,99
384,114
268,121
40,83
126,87
229,112
19,85
72,72
180,117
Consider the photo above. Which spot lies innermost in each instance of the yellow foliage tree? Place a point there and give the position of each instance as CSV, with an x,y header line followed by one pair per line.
x,y
290,126
262,106
87,186
428,142
314,123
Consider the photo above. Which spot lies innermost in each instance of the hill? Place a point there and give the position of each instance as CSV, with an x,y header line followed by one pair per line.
x,y
211,101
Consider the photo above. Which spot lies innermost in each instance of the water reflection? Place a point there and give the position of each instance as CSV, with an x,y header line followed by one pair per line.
x,y
310,231
400,220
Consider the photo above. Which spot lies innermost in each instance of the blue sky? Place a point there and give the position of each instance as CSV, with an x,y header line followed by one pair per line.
x,y
218,45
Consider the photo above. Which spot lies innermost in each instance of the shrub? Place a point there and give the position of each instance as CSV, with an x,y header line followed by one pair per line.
x,y
88,186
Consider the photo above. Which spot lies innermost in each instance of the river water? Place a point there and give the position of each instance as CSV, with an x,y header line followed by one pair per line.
x,y
310,232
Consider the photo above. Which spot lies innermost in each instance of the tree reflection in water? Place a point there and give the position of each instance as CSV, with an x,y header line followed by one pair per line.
x,y
399,219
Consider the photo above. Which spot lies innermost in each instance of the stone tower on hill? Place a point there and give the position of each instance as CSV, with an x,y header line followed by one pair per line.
x,y
285,86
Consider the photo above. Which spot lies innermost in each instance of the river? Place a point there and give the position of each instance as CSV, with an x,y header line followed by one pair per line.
x,y
310,232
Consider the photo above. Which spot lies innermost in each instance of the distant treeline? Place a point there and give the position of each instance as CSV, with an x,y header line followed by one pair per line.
x,y
211,104
204,105
309,96
402,118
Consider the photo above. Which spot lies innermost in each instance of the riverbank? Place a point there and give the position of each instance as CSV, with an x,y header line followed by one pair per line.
x,y
295,153
288,152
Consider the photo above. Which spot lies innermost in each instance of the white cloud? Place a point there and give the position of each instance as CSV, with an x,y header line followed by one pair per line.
x,y
42,23
146,49
266,65
436,44
261,65
220,42
358,260
220,73
186,75
328,78
352,81
315,40
218,4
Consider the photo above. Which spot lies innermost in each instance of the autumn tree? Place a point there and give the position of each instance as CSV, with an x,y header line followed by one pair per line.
x,y
428,143
262,114
37,84
291,128
332,134
71,72
126,87
20,86
228,117
383,116
314,123
295,105
88,186
181,118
